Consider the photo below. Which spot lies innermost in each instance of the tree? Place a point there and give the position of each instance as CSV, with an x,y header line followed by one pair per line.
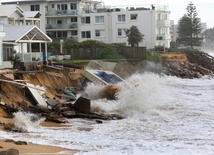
x,y
189,28
134,36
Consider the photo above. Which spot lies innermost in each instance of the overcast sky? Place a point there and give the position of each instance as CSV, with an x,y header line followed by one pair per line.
x,y
205,8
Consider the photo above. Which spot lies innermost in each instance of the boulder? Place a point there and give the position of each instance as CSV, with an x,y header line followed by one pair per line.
x,y
10,152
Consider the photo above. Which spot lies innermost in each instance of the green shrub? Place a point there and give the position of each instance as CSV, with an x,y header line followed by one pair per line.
x,y
110,52
153,56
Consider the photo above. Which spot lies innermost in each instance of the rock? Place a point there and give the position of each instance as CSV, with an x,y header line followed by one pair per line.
x,y
20,143
10,152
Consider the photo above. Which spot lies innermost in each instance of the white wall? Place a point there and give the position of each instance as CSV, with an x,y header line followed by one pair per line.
x,y
26,7
2,34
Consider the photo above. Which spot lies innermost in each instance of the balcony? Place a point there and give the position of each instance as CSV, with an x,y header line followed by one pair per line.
x,y
62,26
163,23
54,12
163,37
1,25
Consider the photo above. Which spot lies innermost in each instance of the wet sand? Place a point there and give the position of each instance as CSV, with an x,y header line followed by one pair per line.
x,y
32,149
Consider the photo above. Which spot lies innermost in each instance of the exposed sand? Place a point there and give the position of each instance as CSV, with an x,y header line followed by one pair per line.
x,y
32,149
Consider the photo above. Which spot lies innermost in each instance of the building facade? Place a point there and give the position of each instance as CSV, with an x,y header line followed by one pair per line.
x,y
2,35
13,15
91,19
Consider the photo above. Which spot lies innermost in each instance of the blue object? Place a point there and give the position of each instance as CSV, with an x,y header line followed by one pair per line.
x,y
44,56
70,93
109,78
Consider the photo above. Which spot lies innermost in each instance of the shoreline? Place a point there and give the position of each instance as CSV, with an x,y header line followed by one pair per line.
x,y
31,148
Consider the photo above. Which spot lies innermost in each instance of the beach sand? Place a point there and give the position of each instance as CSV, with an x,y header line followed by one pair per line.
x,y
33,149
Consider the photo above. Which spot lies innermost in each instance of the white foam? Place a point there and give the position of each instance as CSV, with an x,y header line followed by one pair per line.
x,y
164,115
27,121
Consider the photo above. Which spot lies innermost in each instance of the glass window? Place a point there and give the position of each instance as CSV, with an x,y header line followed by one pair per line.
x,y
73,6
58,7
99,19
64,7
99,33
121,18
133,16
86,34
85,20
121,32
73,19
74,33
61,34
34,7
59,21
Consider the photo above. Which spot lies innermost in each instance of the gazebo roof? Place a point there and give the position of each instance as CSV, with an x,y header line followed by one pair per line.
x,y
25,34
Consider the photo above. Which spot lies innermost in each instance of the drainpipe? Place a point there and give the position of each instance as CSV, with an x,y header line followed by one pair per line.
x,y
46,53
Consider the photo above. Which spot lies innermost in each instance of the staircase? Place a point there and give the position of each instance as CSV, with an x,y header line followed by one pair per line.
x,y
201,58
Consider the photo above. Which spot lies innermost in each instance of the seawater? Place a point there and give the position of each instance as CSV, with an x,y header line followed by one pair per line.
x,y
164,115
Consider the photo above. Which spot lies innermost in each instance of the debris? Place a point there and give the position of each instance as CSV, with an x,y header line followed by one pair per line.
x,y
102,77
39,99
82,105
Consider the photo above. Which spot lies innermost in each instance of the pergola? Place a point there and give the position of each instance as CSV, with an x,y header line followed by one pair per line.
x,y
23,35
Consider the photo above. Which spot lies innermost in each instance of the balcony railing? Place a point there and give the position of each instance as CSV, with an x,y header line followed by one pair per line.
x,y
62,26
163,37
54,12
163,22
1,25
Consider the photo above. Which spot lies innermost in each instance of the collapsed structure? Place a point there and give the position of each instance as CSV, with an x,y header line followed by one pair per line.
x,y
51,92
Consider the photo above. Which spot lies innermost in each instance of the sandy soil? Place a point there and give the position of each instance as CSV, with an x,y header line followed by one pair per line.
x,y
33,148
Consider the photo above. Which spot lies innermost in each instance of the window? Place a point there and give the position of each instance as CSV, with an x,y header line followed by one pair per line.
x,y
86,34
34,7
121,32
73,6
133,16
99,33
121,18
59,21
61,34
73,19
165,16
99,19
85,20
52,6
7,53
62,7
159,16
74,33
58,7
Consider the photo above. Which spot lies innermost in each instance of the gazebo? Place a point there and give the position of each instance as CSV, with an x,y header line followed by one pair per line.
x,y
22,38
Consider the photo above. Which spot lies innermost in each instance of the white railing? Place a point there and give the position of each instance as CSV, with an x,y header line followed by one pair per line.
x,y
1,25
34,56
163,22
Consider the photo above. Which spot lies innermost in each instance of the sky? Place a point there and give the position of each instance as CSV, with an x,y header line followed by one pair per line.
x,y
205,8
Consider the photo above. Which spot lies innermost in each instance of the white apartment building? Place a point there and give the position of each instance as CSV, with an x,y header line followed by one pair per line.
x,y
91,19
13,15
2,35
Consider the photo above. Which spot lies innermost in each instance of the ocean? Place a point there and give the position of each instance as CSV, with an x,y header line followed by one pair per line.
x,y
163,115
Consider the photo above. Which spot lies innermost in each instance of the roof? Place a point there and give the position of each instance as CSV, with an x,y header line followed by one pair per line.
x,y
28,33
8,10
32,14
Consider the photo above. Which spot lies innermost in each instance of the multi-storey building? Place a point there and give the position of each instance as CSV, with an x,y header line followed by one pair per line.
x,y
2,34
13,15
91,19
